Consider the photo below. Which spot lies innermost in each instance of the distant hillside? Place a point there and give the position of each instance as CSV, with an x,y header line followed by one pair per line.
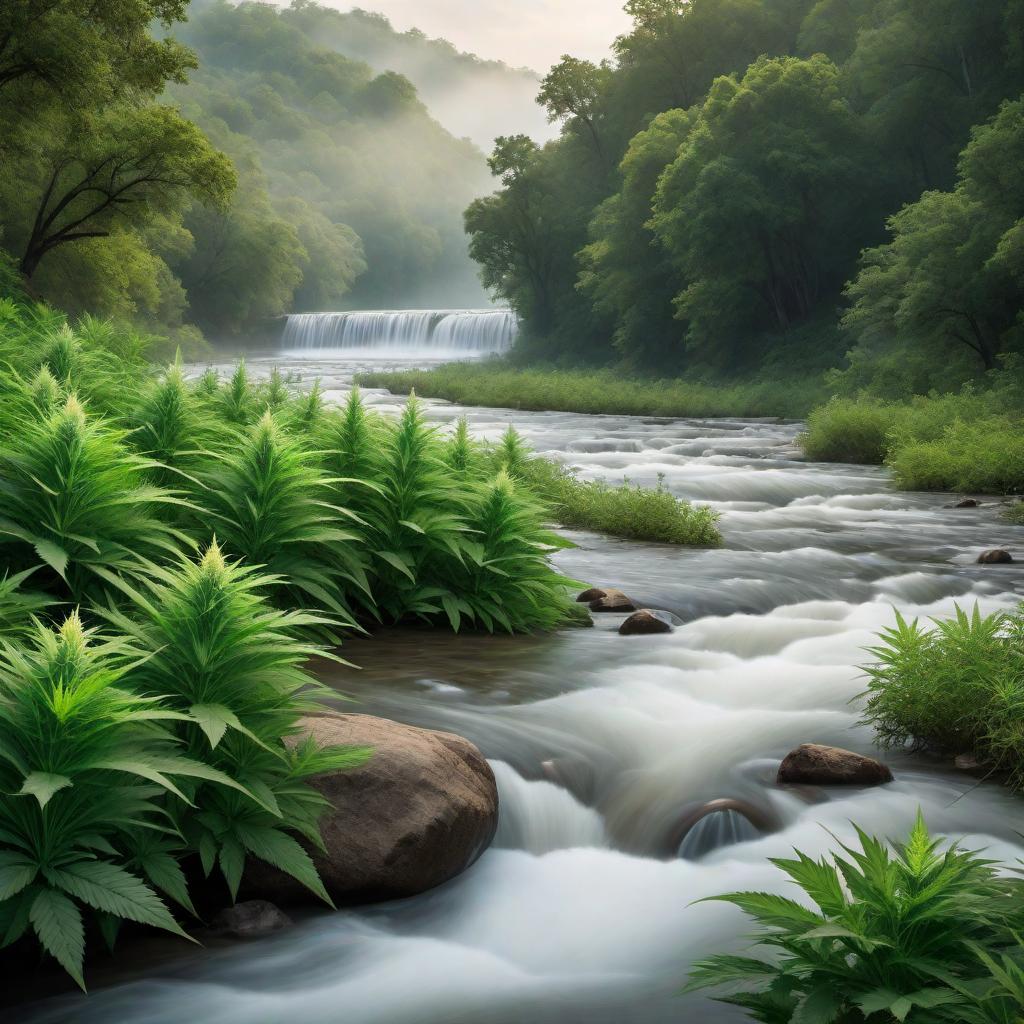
x,y
373,186
472,98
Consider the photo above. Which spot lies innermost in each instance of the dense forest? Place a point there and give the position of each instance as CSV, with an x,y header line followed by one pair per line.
x,y
766,184
248,170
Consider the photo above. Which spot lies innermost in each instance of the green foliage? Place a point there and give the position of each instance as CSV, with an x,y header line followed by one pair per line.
x,y
845,430
952,270
76,501
912,933
496,383
969,441
955,686
230,667
269,503
712,190
85,764
639,513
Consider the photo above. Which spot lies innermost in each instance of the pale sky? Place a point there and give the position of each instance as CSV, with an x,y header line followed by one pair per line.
x,y
531,33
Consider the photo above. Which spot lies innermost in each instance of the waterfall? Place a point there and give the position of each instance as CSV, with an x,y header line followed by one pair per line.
x,y
419,331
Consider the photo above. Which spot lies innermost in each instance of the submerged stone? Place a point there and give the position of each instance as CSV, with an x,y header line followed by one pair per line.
x,y
997,556
252,919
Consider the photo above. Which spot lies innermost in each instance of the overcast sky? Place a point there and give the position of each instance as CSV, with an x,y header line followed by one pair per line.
x,y
531,33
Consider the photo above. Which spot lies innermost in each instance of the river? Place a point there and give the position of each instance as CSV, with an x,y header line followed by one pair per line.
x,y
580,912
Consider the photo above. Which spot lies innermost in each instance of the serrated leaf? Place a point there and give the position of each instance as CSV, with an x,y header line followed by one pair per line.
x,y
43,785
58,924
110,888
213,719
232,864
283,852
820,1006
53,555
164,872
15,877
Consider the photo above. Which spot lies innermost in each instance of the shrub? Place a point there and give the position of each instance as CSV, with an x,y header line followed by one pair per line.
x,y
271,505
85,761
231,668
507,579
909,934
169,425
987,455
847,430
75,499
955,687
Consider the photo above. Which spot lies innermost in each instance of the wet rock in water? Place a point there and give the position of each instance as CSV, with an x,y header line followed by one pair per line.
x,y
416,814
997,556
967,503
831,766
719,823
593,594
612,601
645,622
252,919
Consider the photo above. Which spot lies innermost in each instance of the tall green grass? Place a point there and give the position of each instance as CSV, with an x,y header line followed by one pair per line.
x,y
495,383
623,510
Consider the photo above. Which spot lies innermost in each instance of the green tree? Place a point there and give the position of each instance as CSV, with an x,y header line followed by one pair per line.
x,y
572,90
98,170
625,272
953,271
89,51
762,210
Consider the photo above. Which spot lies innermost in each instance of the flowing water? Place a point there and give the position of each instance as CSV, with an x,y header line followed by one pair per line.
x,y
602,745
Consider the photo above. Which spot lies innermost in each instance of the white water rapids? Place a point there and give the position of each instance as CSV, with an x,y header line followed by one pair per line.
x,y
581,911
413,333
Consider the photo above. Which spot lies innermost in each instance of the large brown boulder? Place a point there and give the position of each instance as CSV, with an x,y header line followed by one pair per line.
x,y
831,766
417,813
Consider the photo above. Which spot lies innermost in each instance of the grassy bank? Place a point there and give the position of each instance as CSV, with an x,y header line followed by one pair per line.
x,y
625,510
963,442
495,383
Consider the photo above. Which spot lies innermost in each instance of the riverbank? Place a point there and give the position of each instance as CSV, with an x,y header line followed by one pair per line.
x,y
971,441
495,383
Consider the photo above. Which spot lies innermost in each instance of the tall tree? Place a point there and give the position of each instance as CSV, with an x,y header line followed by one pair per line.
x,y
953,271
762,208
94,172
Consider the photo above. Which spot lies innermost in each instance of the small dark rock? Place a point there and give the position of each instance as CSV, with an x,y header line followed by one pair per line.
x,y
645,622
831,766
997,556
967,503
593,594
250,920
612,601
